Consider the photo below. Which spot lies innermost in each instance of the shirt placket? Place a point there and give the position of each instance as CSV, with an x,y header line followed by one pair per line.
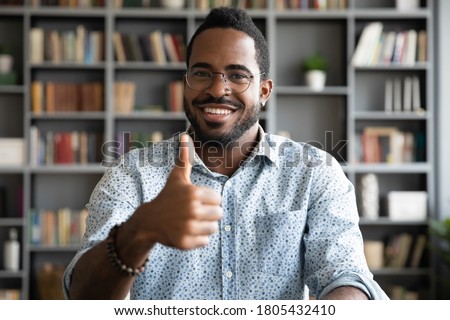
x,y
227,234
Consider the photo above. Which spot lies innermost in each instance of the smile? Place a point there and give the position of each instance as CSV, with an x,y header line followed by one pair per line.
x,y
217,111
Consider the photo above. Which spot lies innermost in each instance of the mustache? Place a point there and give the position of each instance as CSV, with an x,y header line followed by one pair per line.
x,y
220,100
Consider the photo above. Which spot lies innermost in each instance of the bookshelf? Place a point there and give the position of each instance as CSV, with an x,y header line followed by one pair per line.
x,y
333,119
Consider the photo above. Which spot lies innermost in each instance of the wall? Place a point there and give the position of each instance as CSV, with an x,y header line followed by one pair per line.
x,y
443,106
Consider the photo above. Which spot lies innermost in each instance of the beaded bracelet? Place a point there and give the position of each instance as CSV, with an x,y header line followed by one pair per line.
x,y
114,257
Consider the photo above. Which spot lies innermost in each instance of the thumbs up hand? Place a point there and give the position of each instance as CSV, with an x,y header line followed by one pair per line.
x,y
182,215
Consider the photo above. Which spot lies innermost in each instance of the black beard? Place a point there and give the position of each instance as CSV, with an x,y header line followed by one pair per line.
x,y
226,139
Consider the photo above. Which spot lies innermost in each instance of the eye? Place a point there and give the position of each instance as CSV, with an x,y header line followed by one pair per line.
x,y
200,74
238,76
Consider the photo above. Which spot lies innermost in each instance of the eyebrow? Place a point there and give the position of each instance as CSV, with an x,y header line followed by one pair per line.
x,y
227,68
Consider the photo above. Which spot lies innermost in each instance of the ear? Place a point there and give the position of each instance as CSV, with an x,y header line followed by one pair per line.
x,y
266,90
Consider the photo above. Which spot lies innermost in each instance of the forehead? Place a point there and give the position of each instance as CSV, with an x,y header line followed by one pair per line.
x,y
220,47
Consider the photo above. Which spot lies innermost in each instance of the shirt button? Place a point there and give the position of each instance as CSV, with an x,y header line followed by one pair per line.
x,y
228,274
227,228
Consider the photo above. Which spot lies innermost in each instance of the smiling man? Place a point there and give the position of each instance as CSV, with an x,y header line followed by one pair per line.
x,y
236,213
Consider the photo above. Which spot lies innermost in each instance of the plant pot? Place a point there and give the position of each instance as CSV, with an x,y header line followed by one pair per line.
x,y
405,5
6,62
315,79
172,4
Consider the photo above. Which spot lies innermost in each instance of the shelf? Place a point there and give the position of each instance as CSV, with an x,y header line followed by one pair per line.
x,y
81,115
384,221
56,249
68,12
68,65
387,116
302,90
401,272
11,222
12,274
69,169
151,115
12,89
393,168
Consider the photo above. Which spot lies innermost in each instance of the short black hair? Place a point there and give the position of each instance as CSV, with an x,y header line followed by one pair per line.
x,y
238,19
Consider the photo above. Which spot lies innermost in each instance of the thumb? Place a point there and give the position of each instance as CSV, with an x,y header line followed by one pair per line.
x,y
183,164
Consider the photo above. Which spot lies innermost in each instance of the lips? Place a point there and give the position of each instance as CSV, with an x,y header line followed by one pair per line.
x,y
217,111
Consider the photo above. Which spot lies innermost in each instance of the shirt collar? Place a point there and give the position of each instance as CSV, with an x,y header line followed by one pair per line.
x,y
266,148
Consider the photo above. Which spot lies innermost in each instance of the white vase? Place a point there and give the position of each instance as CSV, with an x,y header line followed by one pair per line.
x,y
405,5
172,4
315,79
6,62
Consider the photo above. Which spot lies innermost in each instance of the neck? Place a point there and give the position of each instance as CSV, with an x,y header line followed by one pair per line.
x,y
227,159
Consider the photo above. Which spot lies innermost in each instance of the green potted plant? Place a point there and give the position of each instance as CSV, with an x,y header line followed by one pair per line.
x,y
315,67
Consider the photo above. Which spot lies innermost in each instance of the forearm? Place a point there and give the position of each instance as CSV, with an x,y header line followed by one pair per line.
x,y
346,293
95,276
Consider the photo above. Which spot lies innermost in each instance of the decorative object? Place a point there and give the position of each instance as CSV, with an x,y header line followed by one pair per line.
x,y
172,4
6,60
369,196
315,67
405,5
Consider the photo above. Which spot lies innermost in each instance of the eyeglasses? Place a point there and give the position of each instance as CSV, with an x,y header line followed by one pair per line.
x,y
237,81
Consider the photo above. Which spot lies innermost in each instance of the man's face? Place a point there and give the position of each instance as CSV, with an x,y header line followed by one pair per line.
x,y
215,113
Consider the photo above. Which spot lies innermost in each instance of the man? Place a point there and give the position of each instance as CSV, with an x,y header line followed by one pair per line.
x,y
223,211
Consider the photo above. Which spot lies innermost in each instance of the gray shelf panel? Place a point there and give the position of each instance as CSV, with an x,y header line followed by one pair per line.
x,y
47,249
390,67
403,272
11,169
151,115
68,65
11,222
312,14
69,12
385,221
11,274
412,168
303,90
13,89
69,169
158,13
11,11
150,66
391,13
381,115
85,115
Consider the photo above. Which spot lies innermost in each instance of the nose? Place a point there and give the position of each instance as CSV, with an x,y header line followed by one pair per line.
x,y
218,88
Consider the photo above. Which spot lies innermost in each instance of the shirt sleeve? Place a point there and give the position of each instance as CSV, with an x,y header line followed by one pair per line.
x,y
113,200
334,254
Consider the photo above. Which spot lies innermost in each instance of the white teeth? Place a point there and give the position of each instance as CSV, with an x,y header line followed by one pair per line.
x,y
217,111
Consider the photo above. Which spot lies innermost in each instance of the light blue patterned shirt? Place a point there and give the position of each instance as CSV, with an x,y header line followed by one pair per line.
x,y
290,222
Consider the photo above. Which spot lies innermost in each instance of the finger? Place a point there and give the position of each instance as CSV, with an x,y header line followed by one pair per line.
x,y
209,213
208,196
193,242
183,164
202,228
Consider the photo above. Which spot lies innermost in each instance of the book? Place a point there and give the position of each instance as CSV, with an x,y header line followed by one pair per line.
x,y
411,48
397,95
418,250
416,100
367,43
422,46
388,95
397,56
374,253
407,94
388,49
119,50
